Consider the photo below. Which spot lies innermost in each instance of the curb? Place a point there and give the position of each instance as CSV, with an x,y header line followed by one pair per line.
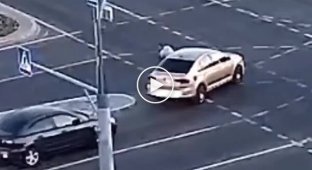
x,y
28,28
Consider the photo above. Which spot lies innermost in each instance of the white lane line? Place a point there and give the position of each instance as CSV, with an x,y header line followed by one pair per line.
x,y
222,107
187,8
40,40
281,106
245,157
261,47
304,25
165,27
280,25
290,50
166,13
302,85
151,22
129,63
264,82
276,56
237,114
293,30
286,21
176,33
250,121
308,35
288,79
210,101
260,114
307,43
282,137
122,23
286,46
189,38
233,48
298,99
208,4
125,54
145,145
271,72
267,129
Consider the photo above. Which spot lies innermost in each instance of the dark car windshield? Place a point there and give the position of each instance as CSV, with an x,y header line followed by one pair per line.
x,y
177,65
12,124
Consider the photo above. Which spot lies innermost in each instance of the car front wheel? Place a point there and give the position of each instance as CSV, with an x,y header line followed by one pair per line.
x,y
238,74
31,157
200,96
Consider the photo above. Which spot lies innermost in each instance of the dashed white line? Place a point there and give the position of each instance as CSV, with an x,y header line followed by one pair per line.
x,y
264,82
276,56
288,79
253,14
281,106
234,48
241,10
222,107
260,114
271,72
122,23
308,35
140,68
282,137
286,21
209,101
176,33
298,99
245,157
208,4
261,47
189,38
290,50
128,62
293,30
165,27
287,46
280,24
304,25
151,22
307,43
302,85
237,114
166,13
250,121
187,8
267,129
125,54
266,20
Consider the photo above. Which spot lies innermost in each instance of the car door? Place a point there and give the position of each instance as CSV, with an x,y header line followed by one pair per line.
x,y
209,70
43,133
74,132
226,66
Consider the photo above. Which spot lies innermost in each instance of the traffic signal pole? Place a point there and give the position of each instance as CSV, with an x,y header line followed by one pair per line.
x,y
105,145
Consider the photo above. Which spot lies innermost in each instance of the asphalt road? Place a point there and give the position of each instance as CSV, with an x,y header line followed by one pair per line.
x,y
259,124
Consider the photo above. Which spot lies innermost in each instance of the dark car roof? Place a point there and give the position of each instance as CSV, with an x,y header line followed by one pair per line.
x,y
33,113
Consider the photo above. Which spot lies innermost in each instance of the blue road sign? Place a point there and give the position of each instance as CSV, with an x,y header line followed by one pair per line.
x,y
24,61
92,3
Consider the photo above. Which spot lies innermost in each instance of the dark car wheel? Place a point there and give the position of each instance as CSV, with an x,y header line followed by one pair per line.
x,y
238,75
31,157
200,96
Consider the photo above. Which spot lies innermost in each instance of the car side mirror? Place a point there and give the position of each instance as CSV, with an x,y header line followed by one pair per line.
x,y
76,122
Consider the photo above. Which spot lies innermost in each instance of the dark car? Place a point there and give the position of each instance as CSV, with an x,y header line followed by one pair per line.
x,y
31,134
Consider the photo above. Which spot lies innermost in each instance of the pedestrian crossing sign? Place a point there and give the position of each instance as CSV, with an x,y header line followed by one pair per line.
x,y
24,61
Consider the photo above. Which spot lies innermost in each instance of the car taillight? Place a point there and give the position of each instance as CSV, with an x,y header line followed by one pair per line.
x,y
182,81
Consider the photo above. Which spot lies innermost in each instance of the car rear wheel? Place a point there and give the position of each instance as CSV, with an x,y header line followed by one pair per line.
x,y
31,157
200,96
238,74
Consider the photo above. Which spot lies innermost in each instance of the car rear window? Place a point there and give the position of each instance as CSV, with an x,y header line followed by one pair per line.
x,y
177,65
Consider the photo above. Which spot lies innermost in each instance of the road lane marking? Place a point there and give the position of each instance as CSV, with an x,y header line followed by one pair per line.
x,y
281,106
251,156
261,114
54,37
166,13
299,99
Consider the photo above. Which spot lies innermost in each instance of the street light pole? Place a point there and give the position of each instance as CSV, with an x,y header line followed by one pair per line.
x,y
105,146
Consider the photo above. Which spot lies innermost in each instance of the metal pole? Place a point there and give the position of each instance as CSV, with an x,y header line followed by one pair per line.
x,y
106,160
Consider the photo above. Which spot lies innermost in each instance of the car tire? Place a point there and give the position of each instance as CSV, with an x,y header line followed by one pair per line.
x,y
31,158
238,75
200,96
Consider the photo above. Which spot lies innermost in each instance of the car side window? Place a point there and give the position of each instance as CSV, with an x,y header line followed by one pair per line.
x,y
224,59
63,120
41,125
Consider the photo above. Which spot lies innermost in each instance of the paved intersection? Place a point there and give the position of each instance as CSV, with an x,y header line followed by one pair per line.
x,y
261,124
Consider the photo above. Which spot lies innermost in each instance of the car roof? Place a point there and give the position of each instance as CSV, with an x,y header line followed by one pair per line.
x,y
36,112
192,53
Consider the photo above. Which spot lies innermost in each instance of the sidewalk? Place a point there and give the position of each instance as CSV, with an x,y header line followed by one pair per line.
x,y
28,28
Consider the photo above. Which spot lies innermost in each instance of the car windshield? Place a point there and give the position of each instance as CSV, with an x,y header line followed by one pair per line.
x,y
177,65
12,124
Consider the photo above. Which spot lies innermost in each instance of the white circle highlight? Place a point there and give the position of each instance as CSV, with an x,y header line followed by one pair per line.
x,y
138,81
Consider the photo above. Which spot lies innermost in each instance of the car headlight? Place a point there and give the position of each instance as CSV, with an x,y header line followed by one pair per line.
x,y
7,141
